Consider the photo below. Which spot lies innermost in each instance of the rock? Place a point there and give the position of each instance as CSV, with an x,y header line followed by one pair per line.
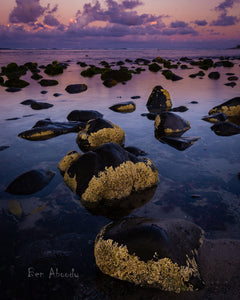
x,y
142,61
82,64
46,129
200,74
194,102
28,102
16,83
159,100
91,71
30,182
40,105
170,124
151,253
120,75
214,75
57,94
109,173
76,88
44,92
150,116
225,129
1,80
36,76
3,147
215,118
13,71
227,64
232,78
13,90
124,107
54,69
170,75
135,97
48,82
109,83
136,151
181,108
154,67
232,84
84,115
179,143
98,132
231,108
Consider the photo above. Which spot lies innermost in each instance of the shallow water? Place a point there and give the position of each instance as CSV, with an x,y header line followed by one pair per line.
x,y
199,184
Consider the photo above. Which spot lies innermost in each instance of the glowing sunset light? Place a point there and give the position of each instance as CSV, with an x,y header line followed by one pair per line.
x,y
175,23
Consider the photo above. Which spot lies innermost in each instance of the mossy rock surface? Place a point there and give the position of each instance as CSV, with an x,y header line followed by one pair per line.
x,y
168,74
120,75
124,107
91,71
151,253
159,100
76,88
48,82
13,71
109,173
230,108
154,67
83,115
214,75
16,83
170,124
1,80
30,182
98,132
54,69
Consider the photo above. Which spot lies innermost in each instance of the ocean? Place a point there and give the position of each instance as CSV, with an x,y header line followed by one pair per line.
x,y
200,184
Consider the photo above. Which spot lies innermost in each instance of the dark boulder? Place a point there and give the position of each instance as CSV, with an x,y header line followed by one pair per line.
x,y
36,76
168,74
225,129
28,102
231,84
40,105
48,82
124,107
16,83
159,100
232,78
120,75
98,132
30,182
76,88
151,253
220,117
150,116
214,75
107,173
84,115
135,97
154,67
231,108
3,147
181,108
13,90
179,143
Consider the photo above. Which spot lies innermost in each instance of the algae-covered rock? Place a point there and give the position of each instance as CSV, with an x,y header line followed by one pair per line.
x,y
124,107
76,88
83,115
1,80
120,75
46,129
109,82
30,182
214,75
36,76
13,71
16,83
181,108
225,129
98,132
151,253
220,117
170,124
154,67
230,108
48,82
159,100
109,172
179,143
54,68
168,74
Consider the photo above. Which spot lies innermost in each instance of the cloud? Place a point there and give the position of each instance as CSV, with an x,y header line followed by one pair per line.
x,y
28,11
201,22
178,24
224,20
51,20
131,4
226,4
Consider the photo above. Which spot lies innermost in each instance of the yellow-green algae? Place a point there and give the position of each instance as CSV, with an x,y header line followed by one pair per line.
x,y
102,136
15,208
45,134
157,121
168,98
169,131
69,158
230,111
120,182
114,260
127,108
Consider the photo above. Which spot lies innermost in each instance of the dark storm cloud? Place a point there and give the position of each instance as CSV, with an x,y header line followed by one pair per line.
x,y
224,20
50,20
178,24
226,4
201,22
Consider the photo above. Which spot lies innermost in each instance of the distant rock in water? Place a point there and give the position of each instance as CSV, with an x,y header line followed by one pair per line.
x,y
48,82
150,116
30,182
124,107
230,108
214,75
28,102
151,253
231,84
76,88
40,105
135,97
13,90
3,147
159,100
181,108
225,129
46,129
84,115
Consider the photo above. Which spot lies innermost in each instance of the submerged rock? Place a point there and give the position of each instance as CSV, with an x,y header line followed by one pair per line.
x,y
170,124
84,115
98,132
159,100
124,107
120,75
215,118
151,253
150,116
76,88
181,108
3,147
230,108
40,105
28,102
48,82
168,74
225,129
30,182
13,90
46,129
109,172
179,143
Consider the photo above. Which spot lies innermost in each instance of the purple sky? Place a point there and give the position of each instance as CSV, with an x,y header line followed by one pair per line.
x,y
120,23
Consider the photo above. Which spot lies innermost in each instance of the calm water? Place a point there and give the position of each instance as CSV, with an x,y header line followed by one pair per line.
x,y
54,216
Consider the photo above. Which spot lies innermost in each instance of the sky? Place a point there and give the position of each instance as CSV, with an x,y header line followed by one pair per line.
x,y
78,24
